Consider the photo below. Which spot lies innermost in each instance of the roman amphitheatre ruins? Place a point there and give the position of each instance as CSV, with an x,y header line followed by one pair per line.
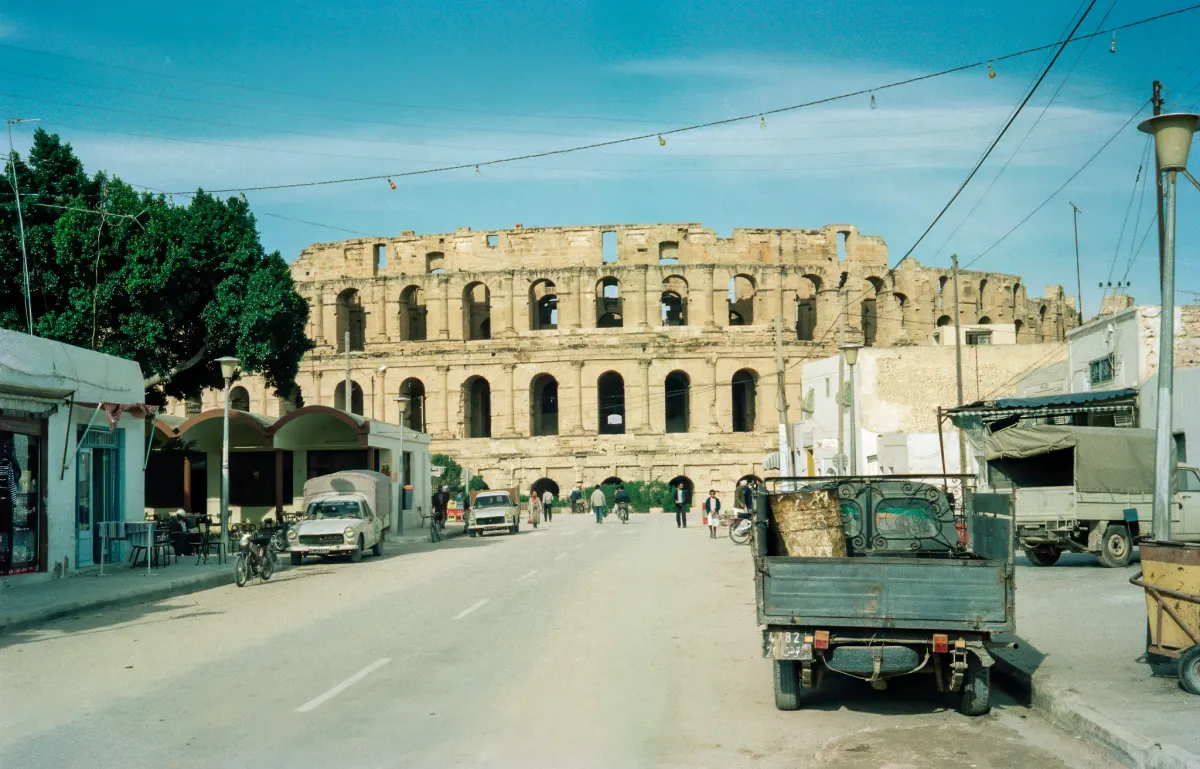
x,y
559,355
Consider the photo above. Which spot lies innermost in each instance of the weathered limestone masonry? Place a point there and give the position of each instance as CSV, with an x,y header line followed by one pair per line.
x,y
639,352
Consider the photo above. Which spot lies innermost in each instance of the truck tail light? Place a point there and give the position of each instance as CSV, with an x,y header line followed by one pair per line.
x,y
821,639
941,643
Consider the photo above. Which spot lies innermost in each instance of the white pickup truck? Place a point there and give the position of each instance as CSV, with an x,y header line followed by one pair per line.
x,y
344,514
1086,490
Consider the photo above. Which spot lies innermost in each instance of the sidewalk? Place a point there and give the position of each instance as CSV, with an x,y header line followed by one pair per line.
x,y
27,605
1081,630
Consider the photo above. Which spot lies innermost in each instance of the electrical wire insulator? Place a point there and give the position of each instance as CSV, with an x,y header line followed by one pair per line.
x,y
477,170
991,72
762,122
1112,47
391,184
872,101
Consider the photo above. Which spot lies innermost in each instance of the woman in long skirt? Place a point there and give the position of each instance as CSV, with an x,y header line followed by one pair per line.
x,y
535,509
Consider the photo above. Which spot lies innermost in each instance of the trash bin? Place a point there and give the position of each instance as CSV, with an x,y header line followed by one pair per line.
x,y
1170,576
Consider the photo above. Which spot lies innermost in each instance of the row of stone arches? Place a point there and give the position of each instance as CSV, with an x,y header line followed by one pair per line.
x,y
542,485
610,414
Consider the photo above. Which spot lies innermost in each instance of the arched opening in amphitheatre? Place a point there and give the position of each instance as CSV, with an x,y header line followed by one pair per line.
x,y
745,400
477,408
610,397
413,314
676,403
543,306
741,300
352,319
356,397
609,309
543,405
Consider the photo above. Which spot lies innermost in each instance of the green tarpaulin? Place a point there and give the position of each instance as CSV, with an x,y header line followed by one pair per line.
x,y
1107,459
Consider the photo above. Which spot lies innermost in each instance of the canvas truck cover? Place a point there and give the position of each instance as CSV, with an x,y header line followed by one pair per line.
x,y
1107,459
376,487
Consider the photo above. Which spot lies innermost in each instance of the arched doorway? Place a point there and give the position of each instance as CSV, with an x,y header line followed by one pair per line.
x,y
414,417
542,485
741,300
674,301
356,397
239,399
612,480
543,405
477,312
689,488
543,306
609,309
806,308
352,319
745,400
477,408
610,397
677,402
413,313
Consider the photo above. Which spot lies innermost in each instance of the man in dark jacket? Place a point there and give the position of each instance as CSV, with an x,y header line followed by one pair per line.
x,y
441,500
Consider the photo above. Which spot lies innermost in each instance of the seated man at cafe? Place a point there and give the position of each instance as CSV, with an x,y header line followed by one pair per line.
x,y
177,528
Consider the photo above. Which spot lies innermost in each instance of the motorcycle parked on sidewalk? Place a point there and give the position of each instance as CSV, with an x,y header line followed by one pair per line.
x,y
255,558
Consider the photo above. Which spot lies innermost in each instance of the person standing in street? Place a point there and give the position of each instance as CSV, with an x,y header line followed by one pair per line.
x,y
441,502
548,505
712,509
598,502
680,507
576,498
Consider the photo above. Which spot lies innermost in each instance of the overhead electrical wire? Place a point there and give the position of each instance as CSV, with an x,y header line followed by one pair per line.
x,y
754,116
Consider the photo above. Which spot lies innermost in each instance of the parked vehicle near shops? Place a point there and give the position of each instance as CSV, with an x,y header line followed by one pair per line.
x,y
345,513
494,511
876,577
1085,490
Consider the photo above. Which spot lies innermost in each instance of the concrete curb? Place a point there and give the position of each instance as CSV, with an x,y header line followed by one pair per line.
x,y
157,591
1064,706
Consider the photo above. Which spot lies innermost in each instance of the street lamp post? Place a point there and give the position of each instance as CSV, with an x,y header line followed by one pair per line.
x,y
229,369
1172,140
20,216
402,402
851,353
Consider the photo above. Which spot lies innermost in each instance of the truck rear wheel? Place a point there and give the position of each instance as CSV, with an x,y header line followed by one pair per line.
x,y
787,685
976,697
1116,548
1042,555
1189,670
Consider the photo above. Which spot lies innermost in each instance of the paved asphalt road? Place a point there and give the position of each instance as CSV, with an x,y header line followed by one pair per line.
x,y
576,645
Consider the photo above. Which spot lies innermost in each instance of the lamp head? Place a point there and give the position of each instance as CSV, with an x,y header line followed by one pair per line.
x,y
402,402
229,366
1172,138
851,353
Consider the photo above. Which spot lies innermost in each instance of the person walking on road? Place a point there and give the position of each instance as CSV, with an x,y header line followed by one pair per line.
x,y
598,503
712,509
680,506
548,505
441,502
576,499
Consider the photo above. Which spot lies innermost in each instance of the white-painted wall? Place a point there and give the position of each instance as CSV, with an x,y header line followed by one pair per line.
x,y
52,372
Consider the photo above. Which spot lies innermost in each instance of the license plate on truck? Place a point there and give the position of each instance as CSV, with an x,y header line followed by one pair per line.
x,y
786,645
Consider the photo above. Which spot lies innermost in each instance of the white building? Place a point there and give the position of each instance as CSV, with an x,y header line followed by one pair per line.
x,y
72,448
898,391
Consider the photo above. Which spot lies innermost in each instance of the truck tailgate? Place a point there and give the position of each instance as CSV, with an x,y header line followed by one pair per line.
x,y
916,593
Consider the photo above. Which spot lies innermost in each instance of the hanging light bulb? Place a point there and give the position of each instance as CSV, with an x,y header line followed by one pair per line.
x,y
762,122
872,101
1112,47
477,170
991,72
661,141
391,184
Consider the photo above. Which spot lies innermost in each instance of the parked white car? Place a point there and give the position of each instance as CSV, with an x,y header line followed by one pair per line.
x,y
344,514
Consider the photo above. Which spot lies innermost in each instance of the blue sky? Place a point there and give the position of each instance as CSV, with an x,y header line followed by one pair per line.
x,y
393,87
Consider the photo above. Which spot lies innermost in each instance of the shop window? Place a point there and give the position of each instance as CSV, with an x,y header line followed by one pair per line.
x,y
21,530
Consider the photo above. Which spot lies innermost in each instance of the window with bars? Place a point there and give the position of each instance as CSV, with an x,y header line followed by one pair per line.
x,y
1100,371
979,337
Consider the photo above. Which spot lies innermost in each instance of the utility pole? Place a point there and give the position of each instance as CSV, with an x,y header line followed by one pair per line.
x,y
785,444
20,216
962,445
1156,101
841,391
1078,279
347,400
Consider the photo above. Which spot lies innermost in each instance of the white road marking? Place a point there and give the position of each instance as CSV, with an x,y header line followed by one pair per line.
x,y
313,704
527,575
471,608
560,556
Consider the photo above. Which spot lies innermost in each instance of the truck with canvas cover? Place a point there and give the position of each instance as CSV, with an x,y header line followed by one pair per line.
x,y
876,577
345,513
1085,490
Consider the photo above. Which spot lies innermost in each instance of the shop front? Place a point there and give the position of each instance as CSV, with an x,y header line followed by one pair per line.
x,y
72,441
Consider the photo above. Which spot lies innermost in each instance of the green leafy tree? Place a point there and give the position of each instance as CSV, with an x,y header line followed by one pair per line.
x,y
132,274
452,475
